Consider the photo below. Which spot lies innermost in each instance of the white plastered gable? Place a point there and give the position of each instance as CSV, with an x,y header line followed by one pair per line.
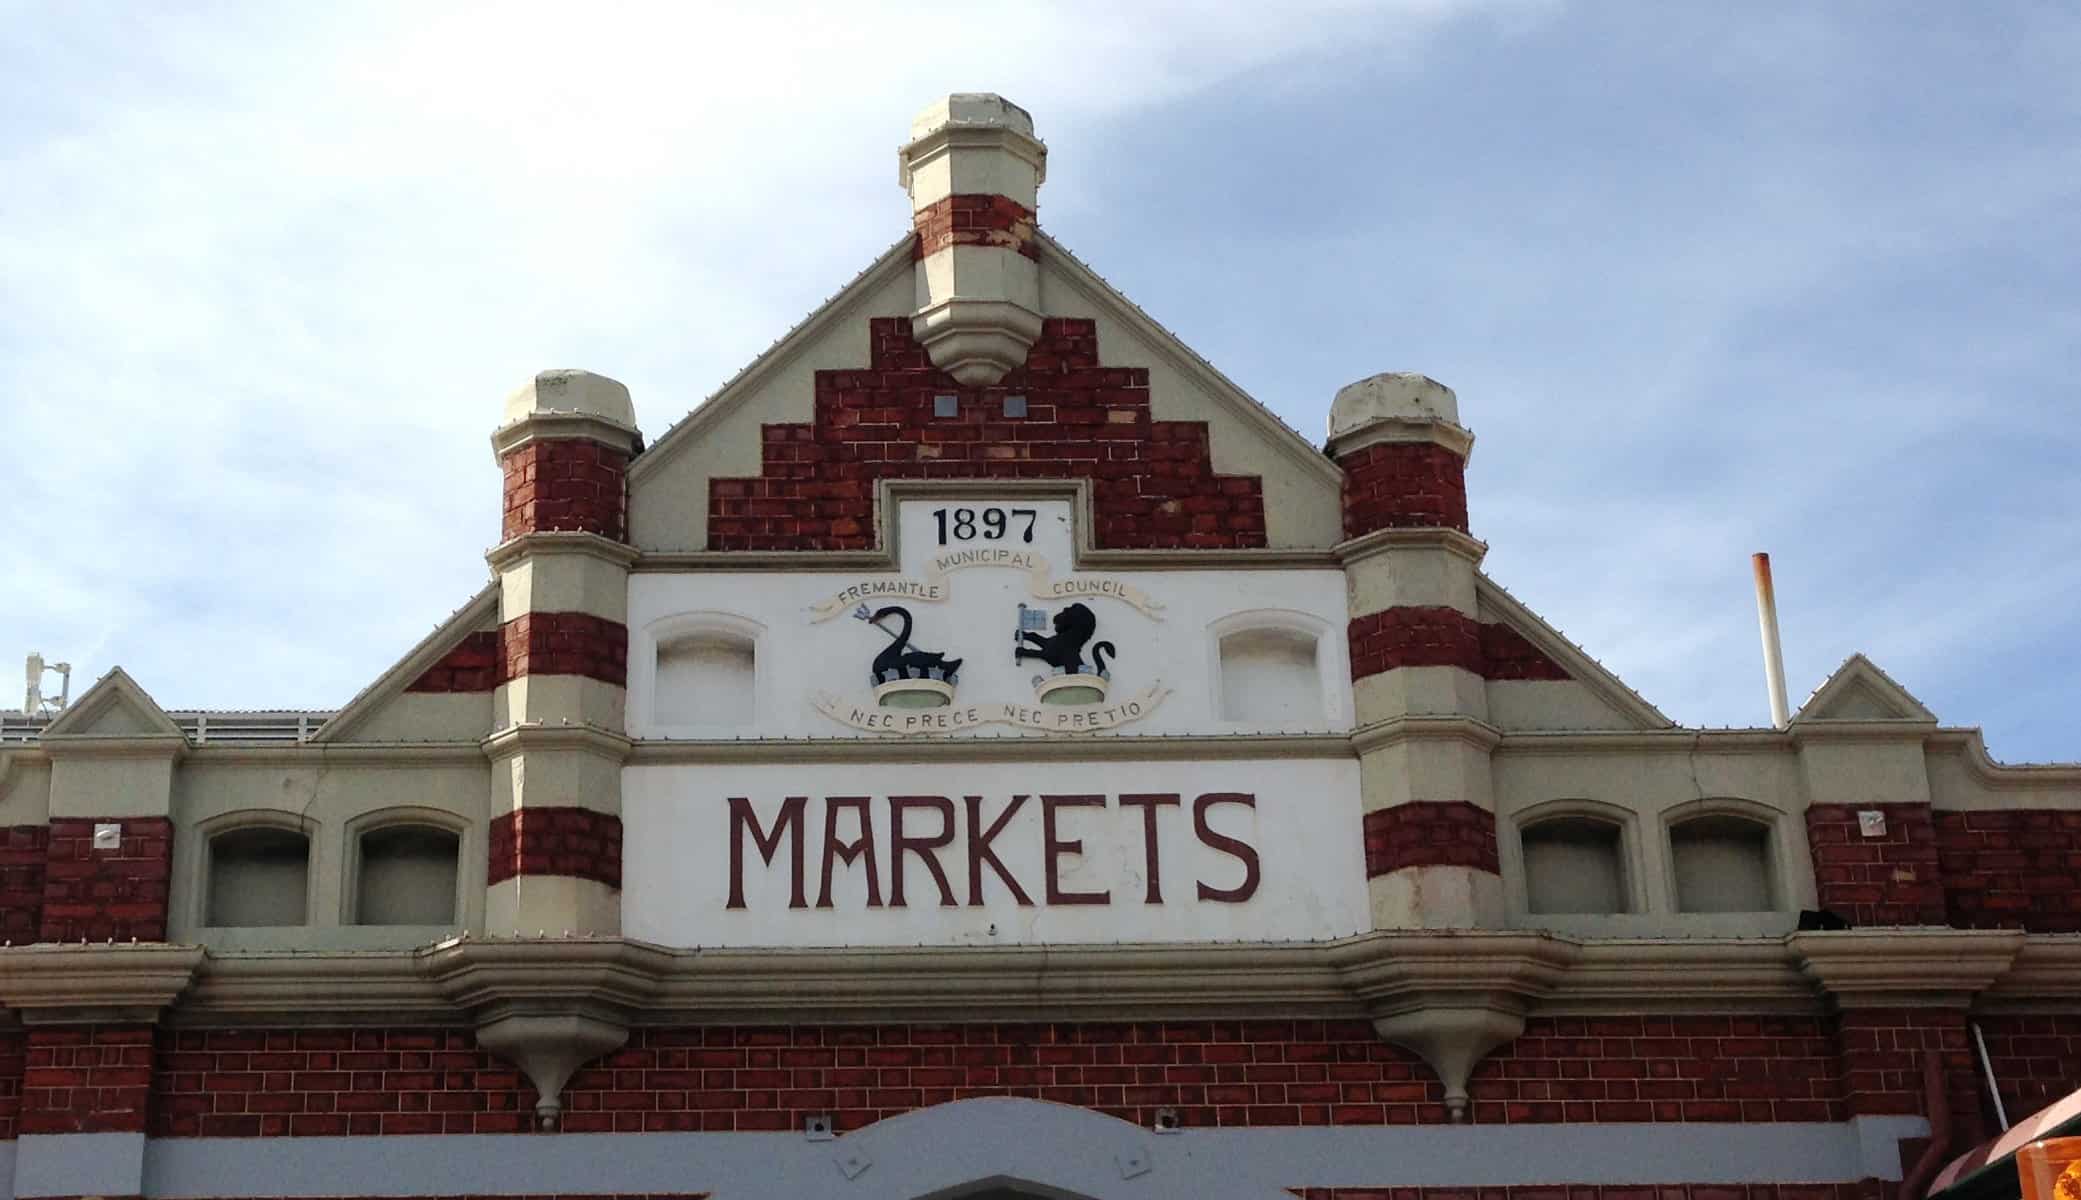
x,y
1859,691
722,438
115,707
385,712
1592,698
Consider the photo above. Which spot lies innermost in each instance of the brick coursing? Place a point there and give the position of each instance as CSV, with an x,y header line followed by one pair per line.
x,y
1403,485
1889,880
1153,482
2036,1058
87,1079
476,664
1430,833
575,842
2014,869
14,1052
568,484
99,895
23,852
565,643
1661,1068
275,1083
1881,1053
974,220
1438,635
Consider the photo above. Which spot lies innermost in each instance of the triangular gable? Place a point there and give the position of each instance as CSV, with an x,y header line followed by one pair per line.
x,y
724,437
115,707
1860,691
480,613
1503,608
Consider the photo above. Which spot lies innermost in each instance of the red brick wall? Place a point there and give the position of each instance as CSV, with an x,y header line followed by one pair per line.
x,y
1438,635
87,1079
565,484
271,1083
1682,1068
24,850
1862,1190
477,664
1882,1051
2037,1059
1430,833
974,220
1153,482
332,1082
1889,880
1403,485
97,895
14,1051
565,643
2017,868
556,841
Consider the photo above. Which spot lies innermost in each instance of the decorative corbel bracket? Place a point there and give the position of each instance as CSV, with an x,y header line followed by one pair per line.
x,y
1451,998
550,1005
1918,967
71,985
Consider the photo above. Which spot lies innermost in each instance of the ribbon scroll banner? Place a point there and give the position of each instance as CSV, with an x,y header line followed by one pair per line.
x,y
933,588
1040,718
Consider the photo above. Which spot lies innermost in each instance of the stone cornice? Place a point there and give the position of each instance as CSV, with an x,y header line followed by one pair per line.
x,y
1403,431
126,745
1648,741
1141,747
590,739
1384,976
1906,968
544,426
590,545
54,984
1382,734
1385,541
1911,733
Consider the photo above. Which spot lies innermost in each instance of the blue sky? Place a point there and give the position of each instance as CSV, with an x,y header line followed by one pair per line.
x,y
1708,279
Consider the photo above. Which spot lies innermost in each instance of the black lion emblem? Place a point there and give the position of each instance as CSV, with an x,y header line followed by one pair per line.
x,y
1064,649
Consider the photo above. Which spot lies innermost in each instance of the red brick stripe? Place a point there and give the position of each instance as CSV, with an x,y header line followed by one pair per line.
x,y
2012,869
1153,482
576,842
565,484
1442,636
565,643
974,220
1430,833
1403,485
99,895
1889,880
86,1079
477,664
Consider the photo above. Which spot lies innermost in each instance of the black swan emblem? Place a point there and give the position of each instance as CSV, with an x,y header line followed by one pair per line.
x,y
900,660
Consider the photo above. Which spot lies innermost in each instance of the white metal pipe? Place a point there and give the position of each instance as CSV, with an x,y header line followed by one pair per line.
x,y
1987,1066
1773,651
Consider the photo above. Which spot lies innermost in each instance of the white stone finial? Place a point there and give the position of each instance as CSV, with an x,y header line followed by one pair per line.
x,y
973,169
1391,396
579,393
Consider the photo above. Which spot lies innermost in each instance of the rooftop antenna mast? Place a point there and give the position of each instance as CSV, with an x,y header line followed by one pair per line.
x,y
36,703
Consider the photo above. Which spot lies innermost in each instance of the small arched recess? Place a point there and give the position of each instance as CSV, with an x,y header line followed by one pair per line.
x,y
1273,669
1726,855
403,867
255,870
1573,857
700,674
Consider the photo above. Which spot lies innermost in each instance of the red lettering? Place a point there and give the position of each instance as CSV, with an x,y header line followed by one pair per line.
x,y
742,817
979,851
1053,848
846,852
1153,870
901,844
1241,851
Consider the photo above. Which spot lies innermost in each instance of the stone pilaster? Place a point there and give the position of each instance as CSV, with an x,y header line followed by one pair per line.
x,y
558,714
1416,655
